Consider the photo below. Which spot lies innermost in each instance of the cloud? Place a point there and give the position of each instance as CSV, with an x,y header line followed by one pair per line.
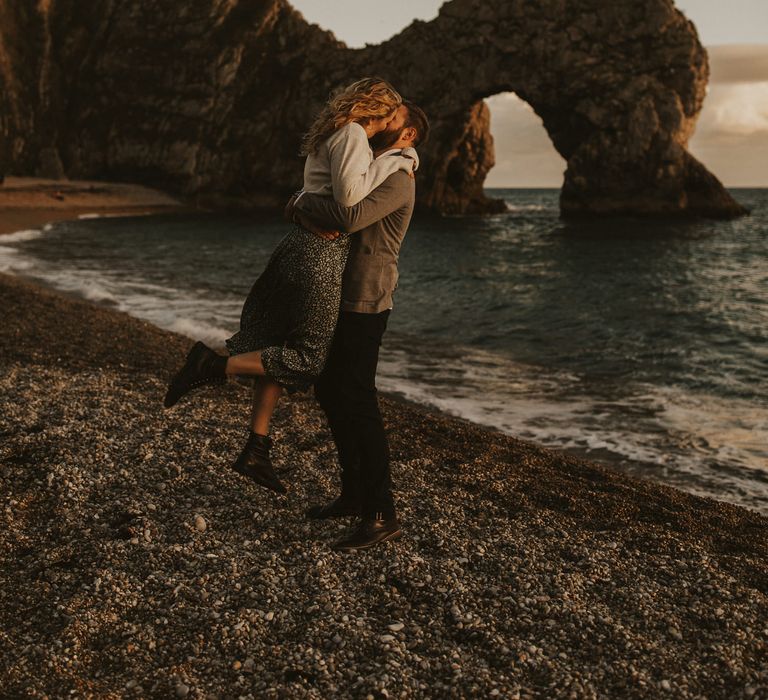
x,y
740,108
731,136
738,63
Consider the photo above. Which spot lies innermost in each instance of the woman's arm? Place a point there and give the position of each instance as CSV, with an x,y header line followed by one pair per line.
x,y
354,172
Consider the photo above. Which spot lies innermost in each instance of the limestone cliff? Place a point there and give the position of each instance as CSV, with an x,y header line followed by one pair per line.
x,y
209,98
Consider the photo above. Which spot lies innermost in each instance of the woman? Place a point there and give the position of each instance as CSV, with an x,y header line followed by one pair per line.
x,y
290,314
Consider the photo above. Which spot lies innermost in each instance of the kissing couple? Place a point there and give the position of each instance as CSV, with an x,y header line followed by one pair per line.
x,y
316,315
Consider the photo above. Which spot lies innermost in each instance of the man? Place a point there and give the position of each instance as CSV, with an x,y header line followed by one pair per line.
x,y
346,390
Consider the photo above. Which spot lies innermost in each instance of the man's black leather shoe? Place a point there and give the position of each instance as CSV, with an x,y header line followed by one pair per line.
x,y
202,366
335,509
370,532
254,462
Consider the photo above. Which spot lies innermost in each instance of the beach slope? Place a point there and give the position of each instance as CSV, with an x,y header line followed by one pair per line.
x,y
27,202
135,562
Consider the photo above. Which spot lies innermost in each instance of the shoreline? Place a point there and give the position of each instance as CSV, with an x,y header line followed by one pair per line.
x,y
101,198
137,563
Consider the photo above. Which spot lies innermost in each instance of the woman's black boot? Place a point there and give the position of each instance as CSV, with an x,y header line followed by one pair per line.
x,y
254,462
202,366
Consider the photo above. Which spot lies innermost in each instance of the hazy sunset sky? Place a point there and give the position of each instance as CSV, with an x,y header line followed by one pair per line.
x,y
731,136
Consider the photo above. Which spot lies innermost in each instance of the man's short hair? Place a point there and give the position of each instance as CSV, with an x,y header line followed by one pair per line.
x,y
418,120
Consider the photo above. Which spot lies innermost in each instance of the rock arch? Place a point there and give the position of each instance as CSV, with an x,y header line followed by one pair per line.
x,y
208,98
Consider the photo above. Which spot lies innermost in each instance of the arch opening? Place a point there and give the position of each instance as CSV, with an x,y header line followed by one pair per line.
x,y
524,154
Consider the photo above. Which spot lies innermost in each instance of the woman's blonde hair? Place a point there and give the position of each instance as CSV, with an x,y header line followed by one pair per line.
x,y
369,98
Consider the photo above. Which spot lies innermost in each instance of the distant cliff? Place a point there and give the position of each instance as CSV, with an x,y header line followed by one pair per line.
x,y
209,98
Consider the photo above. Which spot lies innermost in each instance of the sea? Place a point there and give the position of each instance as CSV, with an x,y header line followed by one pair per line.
x,y
638,343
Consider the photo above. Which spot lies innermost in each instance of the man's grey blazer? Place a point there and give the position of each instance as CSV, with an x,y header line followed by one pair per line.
x,y
379,223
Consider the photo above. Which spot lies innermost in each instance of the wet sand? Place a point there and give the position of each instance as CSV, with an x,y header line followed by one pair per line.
x,y
32,202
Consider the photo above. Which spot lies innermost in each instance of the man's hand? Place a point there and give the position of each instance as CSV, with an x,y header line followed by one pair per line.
x,y
301,219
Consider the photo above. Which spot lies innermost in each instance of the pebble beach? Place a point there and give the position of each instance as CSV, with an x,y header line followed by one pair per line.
x,y
135,563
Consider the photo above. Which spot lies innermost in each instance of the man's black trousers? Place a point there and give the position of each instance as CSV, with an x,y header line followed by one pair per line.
x,y
346,391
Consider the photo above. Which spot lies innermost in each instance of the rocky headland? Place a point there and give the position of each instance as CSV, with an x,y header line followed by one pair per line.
x,y
207,99
135,563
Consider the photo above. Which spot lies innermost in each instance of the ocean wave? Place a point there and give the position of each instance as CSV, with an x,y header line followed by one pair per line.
x,y
199,330
708,445
12,258
527,207
109,215
93,290
11,261
86,284
165,306
25,235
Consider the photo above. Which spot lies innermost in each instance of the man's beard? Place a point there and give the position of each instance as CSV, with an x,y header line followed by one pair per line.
x,y
384,139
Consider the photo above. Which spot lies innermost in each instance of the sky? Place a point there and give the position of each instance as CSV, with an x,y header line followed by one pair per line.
x,y
731,136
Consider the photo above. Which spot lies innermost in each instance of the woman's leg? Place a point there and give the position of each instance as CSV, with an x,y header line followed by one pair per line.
x,y
266,394
254,461
245,363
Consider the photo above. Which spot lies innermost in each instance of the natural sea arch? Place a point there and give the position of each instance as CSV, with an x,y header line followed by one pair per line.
x,y
209,99
618,87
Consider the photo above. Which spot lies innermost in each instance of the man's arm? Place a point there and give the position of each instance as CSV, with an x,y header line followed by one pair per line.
x,y
307,223
389,196
302,219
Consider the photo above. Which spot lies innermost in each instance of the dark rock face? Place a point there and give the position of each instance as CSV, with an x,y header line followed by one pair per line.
x,y
209,98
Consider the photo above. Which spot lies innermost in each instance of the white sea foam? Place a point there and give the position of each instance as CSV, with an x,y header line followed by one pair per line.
x,y
527,207
93,290
16,236
660,432
11,261
106,215
12,258
112,215
199,330
164,306
88,284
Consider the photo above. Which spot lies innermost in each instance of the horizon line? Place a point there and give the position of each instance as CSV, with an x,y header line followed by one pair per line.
x,y
559,187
